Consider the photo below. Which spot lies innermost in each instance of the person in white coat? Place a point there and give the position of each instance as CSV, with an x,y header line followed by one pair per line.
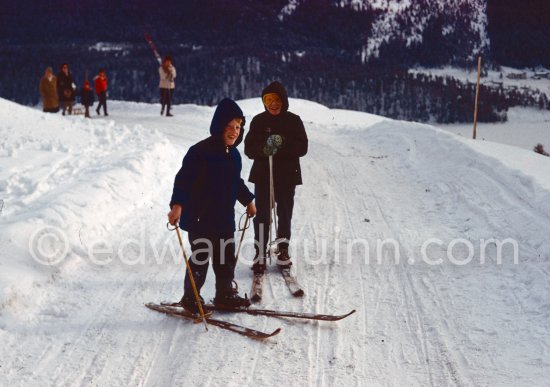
x,y
167,73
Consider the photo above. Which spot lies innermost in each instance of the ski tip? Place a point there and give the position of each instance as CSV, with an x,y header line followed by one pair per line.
x,y
275,332
263,336
298,293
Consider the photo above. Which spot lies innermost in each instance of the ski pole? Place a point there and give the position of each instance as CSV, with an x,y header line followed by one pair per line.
x,y
192,280
242,236
153,48
272,207
273,204
270,233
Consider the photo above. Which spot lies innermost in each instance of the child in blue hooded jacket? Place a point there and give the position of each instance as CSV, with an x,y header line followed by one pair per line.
x,y
203,200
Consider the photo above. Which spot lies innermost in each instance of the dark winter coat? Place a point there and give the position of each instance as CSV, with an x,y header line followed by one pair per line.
x,y
209,181
87,97
286,162
65,87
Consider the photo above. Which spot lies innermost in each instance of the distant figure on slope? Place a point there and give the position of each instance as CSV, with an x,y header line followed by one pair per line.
x,y
87,98
66,89
203,201
48,92
281,134
167,74
100,83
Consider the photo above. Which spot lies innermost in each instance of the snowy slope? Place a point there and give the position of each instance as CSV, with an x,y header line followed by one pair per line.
x,y
104,185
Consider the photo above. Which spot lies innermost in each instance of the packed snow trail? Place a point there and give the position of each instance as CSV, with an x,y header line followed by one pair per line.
x,y
366,179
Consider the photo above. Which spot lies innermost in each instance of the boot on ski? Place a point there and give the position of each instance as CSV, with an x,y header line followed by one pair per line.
x,y
283,259
258,267
231,299
189,303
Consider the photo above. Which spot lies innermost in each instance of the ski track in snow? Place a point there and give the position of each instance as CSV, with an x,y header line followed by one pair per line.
x,y
365,179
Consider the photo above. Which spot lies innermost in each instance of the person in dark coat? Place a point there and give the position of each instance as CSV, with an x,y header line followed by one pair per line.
x,y
66,88
87,98
281,134
203,200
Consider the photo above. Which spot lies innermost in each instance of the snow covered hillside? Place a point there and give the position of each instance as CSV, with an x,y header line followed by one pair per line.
x,y
439,242
413,22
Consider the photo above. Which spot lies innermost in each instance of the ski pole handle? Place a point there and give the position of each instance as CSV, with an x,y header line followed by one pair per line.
x,y
242,236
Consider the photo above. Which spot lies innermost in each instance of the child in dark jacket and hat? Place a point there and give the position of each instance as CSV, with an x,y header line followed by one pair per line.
x,y
281,134
203,200
87,98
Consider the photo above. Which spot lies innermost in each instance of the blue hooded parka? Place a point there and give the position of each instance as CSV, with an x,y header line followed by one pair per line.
x,y
209,181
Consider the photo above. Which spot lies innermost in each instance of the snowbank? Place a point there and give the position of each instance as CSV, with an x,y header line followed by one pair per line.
x,y
65,181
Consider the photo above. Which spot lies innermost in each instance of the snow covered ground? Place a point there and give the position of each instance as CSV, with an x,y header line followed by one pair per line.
x,y
525,128
439,242
507,76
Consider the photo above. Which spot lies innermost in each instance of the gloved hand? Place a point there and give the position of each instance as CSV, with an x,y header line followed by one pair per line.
x,y
270,150
274,140
273,144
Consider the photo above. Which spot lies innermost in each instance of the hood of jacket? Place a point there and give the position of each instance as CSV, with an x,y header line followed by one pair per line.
x,y
279,89
226,111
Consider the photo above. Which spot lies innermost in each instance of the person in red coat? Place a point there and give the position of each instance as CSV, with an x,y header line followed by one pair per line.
x,y
100,82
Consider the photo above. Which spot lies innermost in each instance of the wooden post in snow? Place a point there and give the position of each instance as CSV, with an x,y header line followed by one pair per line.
x,y
477,95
